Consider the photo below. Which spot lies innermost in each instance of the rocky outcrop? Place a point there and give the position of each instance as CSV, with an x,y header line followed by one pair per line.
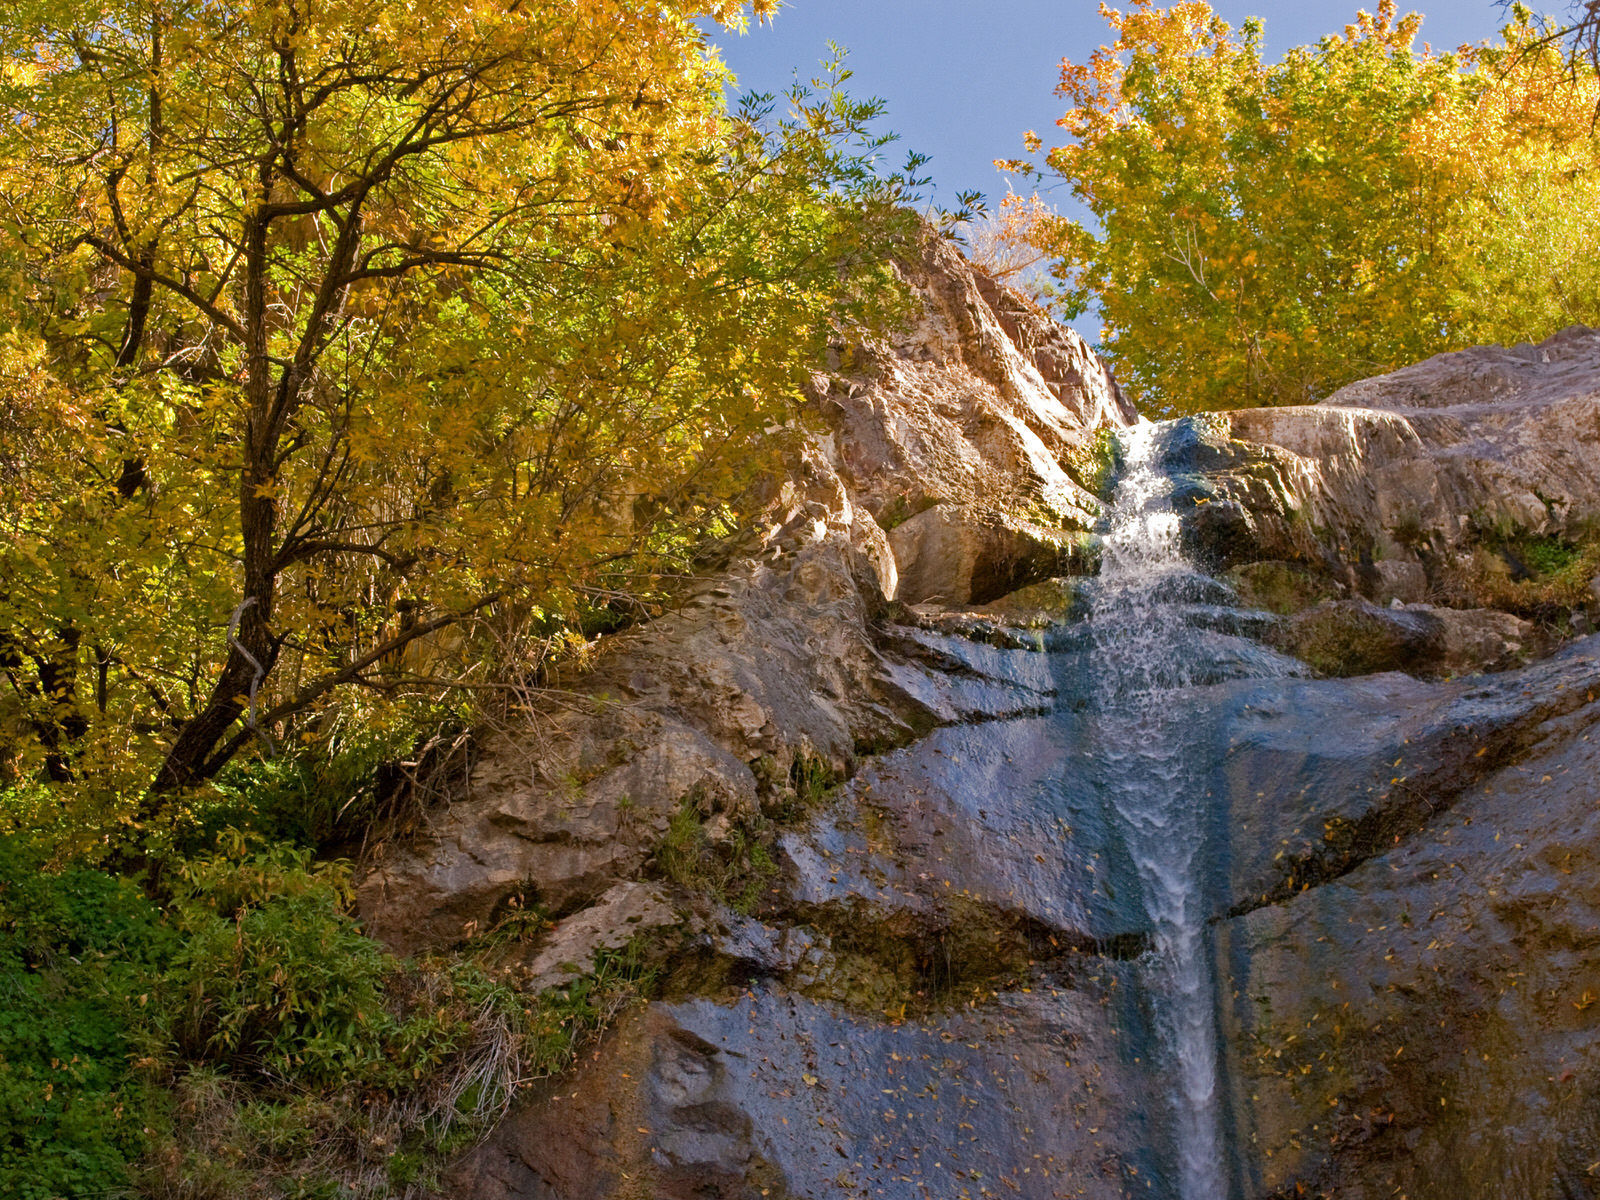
x,y
972,437
1356,637
943,995
1421,463
859,795
1466,482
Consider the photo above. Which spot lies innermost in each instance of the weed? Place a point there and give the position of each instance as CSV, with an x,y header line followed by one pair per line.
x,y
735,871
248,1040
78,952
561,1021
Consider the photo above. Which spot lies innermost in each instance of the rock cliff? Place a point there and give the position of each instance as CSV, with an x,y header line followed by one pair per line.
x,y
956,463
852,798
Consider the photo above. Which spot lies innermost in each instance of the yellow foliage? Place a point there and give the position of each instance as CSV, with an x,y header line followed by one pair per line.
x,y
1263,233
327,326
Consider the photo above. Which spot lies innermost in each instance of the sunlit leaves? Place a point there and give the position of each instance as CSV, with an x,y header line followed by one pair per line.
x,y
333,321
1265,232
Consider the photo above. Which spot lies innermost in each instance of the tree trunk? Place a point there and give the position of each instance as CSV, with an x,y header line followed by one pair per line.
x,y
252,651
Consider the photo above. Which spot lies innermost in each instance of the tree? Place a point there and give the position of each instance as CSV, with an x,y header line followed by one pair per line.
x,y
329,324
1264,233
1522,161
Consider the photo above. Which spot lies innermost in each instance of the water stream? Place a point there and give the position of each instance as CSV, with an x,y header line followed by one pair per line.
x,y
1146,647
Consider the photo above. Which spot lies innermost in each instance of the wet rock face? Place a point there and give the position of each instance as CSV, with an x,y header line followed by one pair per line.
x,y
944,978
938,978
768,1093
1427,1023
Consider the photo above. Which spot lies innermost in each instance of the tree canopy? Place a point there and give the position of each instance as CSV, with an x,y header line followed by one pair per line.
x,y
1262,233
328,325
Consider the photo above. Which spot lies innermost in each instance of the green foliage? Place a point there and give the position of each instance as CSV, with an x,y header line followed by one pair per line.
x,y
1548,556
330,791
273,978
1542,578
79,953
561,1021
683,849
811,779
248,1035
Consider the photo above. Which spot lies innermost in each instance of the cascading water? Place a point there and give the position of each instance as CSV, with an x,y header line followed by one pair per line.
x,y
1144,649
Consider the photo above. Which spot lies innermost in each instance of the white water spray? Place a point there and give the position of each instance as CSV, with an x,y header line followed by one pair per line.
x,y
1140,639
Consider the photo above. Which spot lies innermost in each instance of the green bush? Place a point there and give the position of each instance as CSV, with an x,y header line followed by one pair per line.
x,y
253,1005
79,952
244,1038
274,978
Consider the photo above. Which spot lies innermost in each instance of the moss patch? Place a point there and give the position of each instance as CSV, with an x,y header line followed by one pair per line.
x,y
1280,587
1346,638
1093,465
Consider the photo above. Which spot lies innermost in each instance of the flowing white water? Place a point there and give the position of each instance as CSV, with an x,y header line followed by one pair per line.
x,y
1143,652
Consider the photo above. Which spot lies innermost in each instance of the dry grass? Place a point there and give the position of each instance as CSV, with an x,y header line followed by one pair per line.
x,y
1542,579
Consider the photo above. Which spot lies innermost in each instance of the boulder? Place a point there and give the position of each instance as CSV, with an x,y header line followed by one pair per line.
x,y
957,556
1356,637
626,911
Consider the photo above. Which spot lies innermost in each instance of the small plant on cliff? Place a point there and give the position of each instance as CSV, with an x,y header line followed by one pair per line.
x,y
735,871
1543,578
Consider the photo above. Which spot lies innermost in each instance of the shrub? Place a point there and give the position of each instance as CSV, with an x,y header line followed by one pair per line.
x,y
274,978
78,953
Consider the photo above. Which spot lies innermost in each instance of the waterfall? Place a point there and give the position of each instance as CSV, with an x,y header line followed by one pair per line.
x,y
1145,649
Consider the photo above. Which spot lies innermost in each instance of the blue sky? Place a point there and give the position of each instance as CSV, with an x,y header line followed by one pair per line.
x,y
964,78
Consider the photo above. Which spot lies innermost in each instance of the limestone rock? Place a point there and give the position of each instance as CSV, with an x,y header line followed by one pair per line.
x,y
627,910
1426,458
957,556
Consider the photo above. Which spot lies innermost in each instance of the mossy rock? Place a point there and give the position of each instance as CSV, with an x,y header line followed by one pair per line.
x,y
1354,637
1041,604
1281,587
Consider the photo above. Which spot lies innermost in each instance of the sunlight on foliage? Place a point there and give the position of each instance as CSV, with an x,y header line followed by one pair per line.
x,y
1263,233
333,331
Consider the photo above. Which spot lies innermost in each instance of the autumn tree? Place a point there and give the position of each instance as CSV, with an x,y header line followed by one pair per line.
x,y
1521,165
326,325
1262,233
